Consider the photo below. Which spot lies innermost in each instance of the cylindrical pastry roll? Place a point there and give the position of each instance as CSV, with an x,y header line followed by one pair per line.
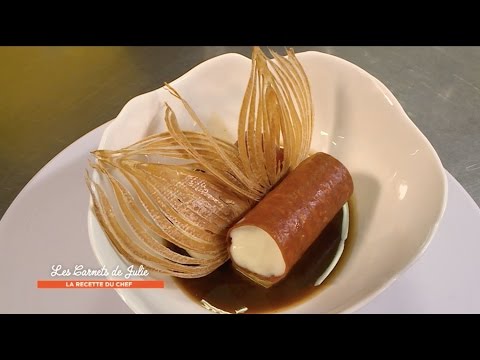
x,y
274,235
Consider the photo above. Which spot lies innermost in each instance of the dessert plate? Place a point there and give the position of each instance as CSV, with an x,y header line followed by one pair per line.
x,y
358,121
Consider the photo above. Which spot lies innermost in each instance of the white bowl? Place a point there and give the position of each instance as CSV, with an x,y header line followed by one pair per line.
x,y
400,185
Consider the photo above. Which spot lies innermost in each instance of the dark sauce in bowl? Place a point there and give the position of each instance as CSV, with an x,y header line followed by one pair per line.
x,y
230,291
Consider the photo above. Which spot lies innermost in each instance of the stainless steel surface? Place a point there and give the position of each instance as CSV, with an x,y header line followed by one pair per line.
x,y
50,96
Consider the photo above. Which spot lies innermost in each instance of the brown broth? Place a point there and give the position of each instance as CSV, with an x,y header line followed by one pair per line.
x,y
228,290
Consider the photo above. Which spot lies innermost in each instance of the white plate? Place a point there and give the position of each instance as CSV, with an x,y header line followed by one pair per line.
x,y
357,120
46,225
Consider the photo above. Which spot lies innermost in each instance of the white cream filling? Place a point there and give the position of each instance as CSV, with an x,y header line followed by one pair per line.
x,y
254,249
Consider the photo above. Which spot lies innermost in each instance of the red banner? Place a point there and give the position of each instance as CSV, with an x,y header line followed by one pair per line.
x,y
99,284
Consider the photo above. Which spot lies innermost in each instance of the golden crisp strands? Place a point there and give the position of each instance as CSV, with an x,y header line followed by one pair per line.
x,y
147,219
167,201
276,112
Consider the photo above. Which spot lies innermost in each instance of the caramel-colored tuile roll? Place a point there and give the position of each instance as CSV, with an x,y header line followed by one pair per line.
x,y
274,235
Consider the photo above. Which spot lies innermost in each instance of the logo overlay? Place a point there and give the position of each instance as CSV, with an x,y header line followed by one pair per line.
x,y
119,279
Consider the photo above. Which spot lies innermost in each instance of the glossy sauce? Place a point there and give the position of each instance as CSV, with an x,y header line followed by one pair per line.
x,y
228,290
